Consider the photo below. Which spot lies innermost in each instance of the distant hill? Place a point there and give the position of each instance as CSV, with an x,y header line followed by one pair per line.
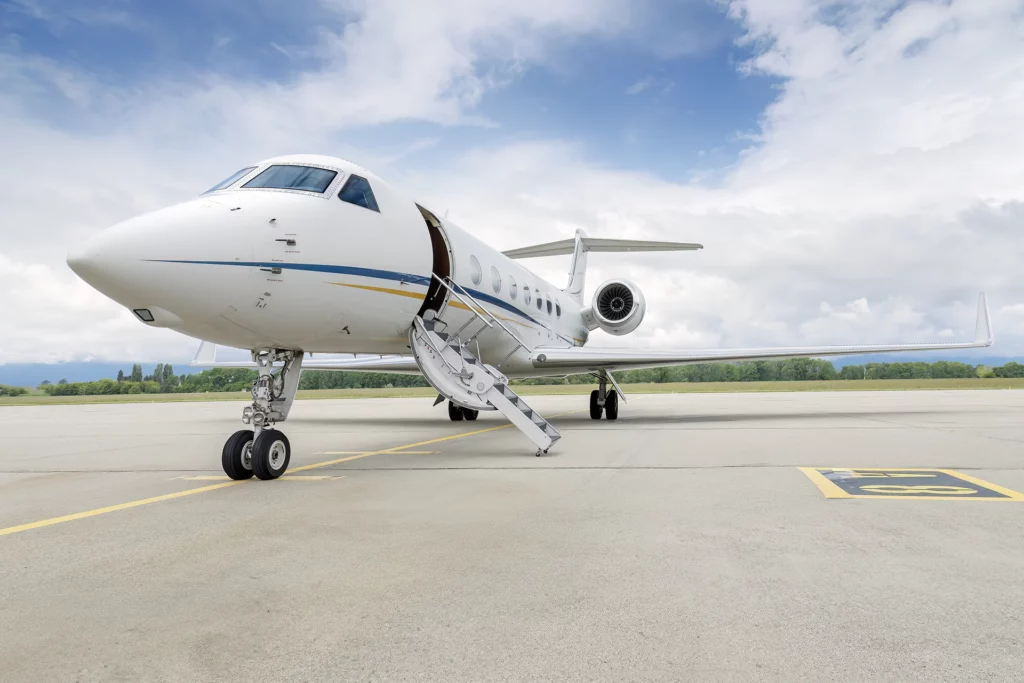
x,y
33,374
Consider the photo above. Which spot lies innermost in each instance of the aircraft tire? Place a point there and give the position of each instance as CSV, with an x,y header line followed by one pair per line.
x,y
611,406
470,415
236,458
271,454
456,413
595,408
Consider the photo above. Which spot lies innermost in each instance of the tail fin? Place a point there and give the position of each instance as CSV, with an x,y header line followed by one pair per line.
x,y
581,244
578,268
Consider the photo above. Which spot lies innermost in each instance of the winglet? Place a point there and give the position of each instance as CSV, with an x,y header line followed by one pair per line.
x,y
206,354
983,332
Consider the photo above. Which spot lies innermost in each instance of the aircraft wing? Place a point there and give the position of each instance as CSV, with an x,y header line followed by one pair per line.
x,y
582,359
206,357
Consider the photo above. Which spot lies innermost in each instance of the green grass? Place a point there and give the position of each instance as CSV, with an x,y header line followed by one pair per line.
x,y
556,389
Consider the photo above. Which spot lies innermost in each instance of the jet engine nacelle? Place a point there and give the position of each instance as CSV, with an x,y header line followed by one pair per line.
x,y
618,308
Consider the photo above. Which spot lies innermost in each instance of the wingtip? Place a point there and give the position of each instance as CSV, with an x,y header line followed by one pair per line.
x,y
983,331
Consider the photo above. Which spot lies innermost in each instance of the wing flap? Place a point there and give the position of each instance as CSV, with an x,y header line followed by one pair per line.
x,y
582,359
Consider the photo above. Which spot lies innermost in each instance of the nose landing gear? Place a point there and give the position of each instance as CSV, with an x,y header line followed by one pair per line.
x,y
265,451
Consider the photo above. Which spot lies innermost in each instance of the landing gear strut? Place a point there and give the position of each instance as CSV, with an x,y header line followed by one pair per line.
x,y
604,401
265,451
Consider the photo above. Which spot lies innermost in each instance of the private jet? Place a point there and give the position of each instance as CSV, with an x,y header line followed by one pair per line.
x,y
305,254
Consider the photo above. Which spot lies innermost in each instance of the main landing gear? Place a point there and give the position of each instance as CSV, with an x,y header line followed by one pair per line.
x,y
265,451
457,413
604,401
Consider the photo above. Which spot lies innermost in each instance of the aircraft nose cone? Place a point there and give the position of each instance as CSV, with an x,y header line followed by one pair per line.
x,y
144,262
84,261
96,262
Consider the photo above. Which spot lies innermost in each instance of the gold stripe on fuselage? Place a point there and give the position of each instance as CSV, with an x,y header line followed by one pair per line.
x,y
416,295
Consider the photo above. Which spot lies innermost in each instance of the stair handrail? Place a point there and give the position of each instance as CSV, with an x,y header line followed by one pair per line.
x,y
482,307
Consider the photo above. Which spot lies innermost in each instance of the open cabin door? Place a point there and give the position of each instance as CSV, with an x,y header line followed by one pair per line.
x,y
443,264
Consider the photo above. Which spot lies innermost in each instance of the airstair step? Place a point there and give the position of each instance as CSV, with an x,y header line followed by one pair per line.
x,y
447,364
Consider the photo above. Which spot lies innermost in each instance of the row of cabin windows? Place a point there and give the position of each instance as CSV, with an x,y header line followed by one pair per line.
x,y
356,189
477,275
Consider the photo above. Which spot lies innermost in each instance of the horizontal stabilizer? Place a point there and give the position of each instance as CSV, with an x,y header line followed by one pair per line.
x,y
565,247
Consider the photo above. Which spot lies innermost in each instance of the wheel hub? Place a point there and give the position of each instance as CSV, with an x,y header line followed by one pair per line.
x,y
277,455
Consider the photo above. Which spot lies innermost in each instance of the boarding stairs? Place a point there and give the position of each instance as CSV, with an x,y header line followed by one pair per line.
x,y
448,364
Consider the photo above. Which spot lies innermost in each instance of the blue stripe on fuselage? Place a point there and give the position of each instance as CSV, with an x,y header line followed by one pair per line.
x,y
359,272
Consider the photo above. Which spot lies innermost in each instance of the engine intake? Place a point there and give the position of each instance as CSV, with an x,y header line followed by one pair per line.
x,y
618,308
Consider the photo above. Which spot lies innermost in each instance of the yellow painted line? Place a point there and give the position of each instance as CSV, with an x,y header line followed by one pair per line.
x,y
901,496
831,490
365,452
824,485
1013,495
885,469
309,477
114,508
398,449
287,476
342,452
202,489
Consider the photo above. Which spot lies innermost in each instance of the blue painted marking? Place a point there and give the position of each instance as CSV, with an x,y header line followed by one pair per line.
x,y
317,268
359,272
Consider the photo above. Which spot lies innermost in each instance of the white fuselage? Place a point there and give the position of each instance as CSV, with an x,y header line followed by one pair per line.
x,y
290,269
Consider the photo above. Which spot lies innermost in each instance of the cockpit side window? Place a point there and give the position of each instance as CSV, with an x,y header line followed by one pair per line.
x,y
357,191
231,179
286,177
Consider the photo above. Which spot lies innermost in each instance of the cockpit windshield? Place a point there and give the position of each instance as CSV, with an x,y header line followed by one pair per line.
x,y
231,179
304,178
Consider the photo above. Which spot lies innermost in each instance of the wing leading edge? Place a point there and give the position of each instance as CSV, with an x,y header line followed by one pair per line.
x,y
581,359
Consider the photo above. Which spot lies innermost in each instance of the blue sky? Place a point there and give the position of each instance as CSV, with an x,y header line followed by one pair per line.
x,y
672,103
852,176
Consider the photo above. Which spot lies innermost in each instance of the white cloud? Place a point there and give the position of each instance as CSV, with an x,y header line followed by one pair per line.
x,y
883,190
640,86
65,321
662,85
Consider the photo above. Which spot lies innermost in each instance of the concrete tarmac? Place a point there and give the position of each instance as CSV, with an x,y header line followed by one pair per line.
x,y
680,542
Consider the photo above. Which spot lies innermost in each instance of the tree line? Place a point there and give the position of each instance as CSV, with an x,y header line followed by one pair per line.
x,y
163,379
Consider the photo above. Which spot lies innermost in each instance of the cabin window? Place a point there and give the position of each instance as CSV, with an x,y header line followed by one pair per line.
x,y
549,306
540,302
286,177
512,289
356,190
495,280
558,309
475,272
231,179
526,295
